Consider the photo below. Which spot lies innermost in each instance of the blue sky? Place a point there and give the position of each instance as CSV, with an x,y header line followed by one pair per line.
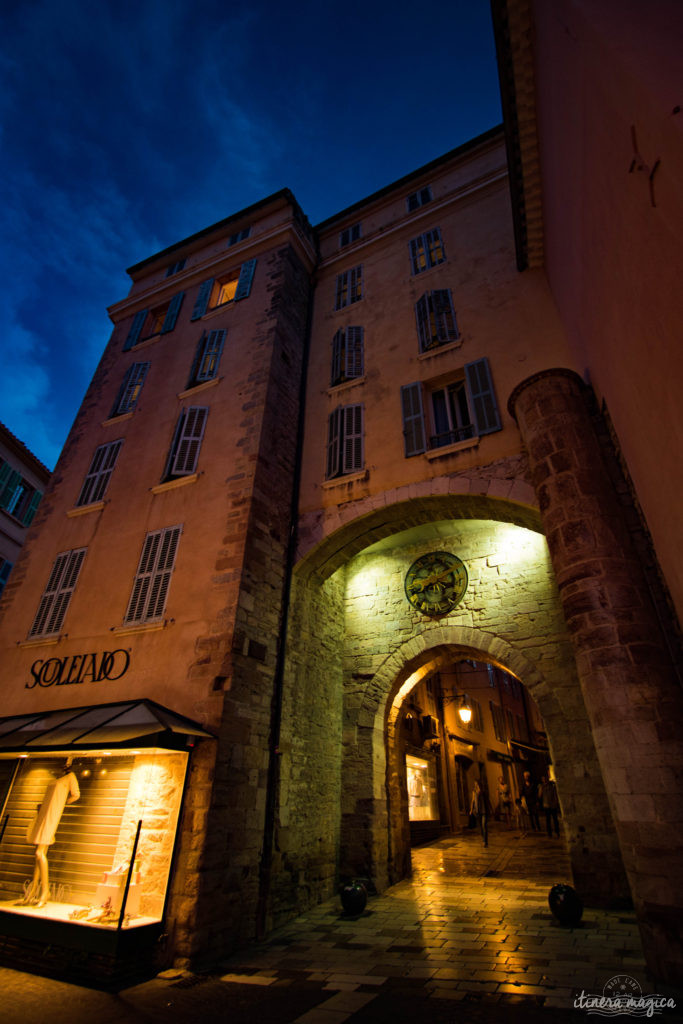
x,y
126,125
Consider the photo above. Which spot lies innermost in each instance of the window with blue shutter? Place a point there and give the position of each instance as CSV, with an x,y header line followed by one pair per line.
x,y
245,280
187,440
153,577
202,300
413,419
482,397
349,288
5,569
18,497
33,504
207,357
436,321
130,389
426,251
100,471
347,355
135,329
345,441
57,594
172,312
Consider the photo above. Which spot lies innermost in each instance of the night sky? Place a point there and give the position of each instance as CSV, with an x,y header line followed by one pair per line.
x,y
126,126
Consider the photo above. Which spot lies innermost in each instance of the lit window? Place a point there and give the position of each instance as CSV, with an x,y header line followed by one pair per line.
x,y
426,251
230,287
57,593
130,389
207,357
417,199
345,441
223,291
147,323
101,469
349,287
153,577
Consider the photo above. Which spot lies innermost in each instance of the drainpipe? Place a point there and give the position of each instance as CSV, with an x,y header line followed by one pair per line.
x,y
273,779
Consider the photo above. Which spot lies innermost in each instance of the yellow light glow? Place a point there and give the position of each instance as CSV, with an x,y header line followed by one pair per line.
x,y
465,714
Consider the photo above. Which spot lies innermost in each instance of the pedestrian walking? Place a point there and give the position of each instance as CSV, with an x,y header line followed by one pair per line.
x,y
480,808
530,798
504,802
550,804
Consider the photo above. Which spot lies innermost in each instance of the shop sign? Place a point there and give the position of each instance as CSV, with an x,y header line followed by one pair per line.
x,y
79,668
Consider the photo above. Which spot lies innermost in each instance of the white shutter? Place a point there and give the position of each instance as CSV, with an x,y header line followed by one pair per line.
x,y
189,441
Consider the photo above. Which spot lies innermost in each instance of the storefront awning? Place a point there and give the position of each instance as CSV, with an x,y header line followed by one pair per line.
x,y
143,723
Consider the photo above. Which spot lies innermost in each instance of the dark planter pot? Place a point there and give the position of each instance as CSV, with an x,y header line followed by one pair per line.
x,y
354,898
565,904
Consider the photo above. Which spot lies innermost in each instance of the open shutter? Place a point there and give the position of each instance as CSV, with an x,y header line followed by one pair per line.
x,y
337,354
413,419
130,389
5,569
333,431
163,571
12,481
246,277
444,315
417,255
31,510
135,329
482,398
57,594
354,352
143,578
202,299
172,312
422,318
210,357
189,441
353,438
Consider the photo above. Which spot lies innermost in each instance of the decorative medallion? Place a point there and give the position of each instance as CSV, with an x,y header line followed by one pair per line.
x,y
436,583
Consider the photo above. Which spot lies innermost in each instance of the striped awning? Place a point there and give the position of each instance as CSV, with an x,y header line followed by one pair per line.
x,y
140,722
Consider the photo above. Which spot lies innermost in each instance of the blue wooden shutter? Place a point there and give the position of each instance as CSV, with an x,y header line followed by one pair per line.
x,y
202,299
177,434
135,329
189,441
444,316
337,353
31,510
172,312
354,352
413,419
333,432
212,347
482,398
12,481
417,255
246,277
424,333
5,569
353,439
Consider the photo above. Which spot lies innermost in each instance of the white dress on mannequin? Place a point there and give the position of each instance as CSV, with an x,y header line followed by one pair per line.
x,y
42,829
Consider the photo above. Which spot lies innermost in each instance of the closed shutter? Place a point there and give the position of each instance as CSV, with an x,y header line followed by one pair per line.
x,y
57,594
246,277
482,399
5,569
424,333
202,299
32,508
354,352
444,316
189,441
152,580
337,356
172,313
353,438
333,433
97,477
413,419
356,289
136,329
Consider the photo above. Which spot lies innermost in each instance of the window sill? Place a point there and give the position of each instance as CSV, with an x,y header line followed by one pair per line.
x,y
82,510
196,388
140,627
214,311
146,342
170,485
347,478
117,419
345,385
46,641
438,349
450,449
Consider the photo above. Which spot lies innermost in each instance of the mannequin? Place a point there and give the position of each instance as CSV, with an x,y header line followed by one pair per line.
x,y
41,832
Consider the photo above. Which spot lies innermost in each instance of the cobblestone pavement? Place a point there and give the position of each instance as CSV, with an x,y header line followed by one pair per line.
x,y
468,938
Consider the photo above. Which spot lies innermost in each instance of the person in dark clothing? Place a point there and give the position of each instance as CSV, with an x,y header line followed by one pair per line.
x,y
481,809
550,804
530,797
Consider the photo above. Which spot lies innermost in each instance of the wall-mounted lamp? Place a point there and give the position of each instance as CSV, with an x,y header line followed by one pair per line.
x,y
462,700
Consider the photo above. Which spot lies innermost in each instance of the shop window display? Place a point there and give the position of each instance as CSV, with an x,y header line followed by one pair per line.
x,y
422,798
88,838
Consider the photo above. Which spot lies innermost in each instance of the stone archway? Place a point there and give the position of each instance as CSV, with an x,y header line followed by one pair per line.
x,y
374,836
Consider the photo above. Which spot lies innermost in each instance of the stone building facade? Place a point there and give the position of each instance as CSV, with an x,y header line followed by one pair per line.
x,y
23,479
315,470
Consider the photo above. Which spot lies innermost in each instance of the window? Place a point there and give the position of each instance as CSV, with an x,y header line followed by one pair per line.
x,y
18,497
426,251
187,440
130,389
5,569
153,577
436,323
417,199
97,477
349,287
347,355
475,723
464,408
175,268
147,323
230,287
349,235
239,236
207,357
345,441
498,721
57,594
